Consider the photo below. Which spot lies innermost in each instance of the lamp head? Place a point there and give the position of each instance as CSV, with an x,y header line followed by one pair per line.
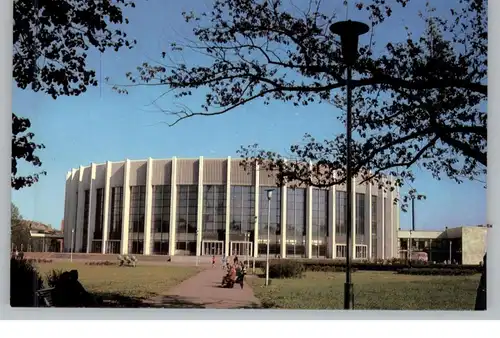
x,y
349,32
269,194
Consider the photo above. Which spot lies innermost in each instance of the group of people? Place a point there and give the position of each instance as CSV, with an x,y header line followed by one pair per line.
x,y
17,254
235,271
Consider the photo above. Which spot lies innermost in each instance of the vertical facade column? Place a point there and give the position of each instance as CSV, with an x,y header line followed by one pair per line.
x,y
395,226
107,192
148,207
79,213
430,250
126,208
199,215
173,208
353,218
256,212
67,199
228,207
283,220
74,216
389,224
73,206
309,191
70,205
380,224
92,205
368,218
332,243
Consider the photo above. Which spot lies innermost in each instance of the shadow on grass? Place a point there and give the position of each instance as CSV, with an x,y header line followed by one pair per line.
x,y
115,300
255,306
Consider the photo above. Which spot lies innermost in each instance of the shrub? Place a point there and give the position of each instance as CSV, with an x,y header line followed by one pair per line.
x,y
69,292
392,265
39,260
24,282
437,272
338,265
286,269
53,277
100,263
327,268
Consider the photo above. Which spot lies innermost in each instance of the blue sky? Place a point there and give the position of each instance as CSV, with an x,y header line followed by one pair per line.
x,y
103,125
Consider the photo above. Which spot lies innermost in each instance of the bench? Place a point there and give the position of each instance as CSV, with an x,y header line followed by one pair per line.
x,y
46,295
128,260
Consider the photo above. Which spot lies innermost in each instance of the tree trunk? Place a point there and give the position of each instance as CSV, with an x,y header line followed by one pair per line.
x,y
481,290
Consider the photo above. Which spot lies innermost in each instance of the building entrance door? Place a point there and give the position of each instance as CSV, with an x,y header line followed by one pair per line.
x,y
241,248
212,248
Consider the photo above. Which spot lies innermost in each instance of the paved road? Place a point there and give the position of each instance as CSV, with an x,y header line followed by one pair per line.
x,y
204,291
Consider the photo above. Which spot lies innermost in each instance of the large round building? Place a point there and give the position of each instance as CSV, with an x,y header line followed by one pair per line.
x,y
214,206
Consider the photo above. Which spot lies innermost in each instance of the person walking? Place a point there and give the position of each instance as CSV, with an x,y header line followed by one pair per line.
x,y
223,262
241,274
213,261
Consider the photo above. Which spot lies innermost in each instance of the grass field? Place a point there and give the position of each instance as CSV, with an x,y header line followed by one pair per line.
x,y
372,290
124,285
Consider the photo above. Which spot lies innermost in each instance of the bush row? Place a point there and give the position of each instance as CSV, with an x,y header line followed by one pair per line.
x,y
53,277
437,272
296,269
328,268
286,269
38,260
389,265
24,282
100,263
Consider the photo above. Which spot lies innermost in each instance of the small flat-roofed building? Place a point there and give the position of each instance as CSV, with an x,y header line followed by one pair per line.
x,y
43,238
464,245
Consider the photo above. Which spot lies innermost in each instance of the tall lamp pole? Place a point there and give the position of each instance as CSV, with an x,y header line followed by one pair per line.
x,y
413,214
254,252
197,263
349,32
72,244
410,245
269,196
247,248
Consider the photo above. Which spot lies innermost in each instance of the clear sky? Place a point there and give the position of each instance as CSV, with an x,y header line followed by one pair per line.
x,y
102,125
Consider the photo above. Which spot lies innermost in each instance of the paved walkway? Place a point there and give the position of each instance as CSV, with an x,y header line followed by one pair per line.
x,y
204,291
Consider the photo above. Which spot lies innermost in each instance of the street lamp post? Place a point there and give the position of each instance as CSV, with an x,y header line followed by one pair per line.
x,y
247,246
410,246
410,242
450,252
253,259
413,214
197,263
349,32
255,240
72,244
269,196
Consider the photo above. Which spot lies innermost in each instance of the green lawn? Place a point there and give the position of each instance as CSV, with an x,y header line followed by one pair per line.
x,y
372,290
125,285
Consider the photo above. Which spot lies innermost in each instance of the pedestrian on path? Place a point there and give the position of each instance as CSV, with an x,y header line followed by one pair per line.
x,y
213,261
240,274
223,261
